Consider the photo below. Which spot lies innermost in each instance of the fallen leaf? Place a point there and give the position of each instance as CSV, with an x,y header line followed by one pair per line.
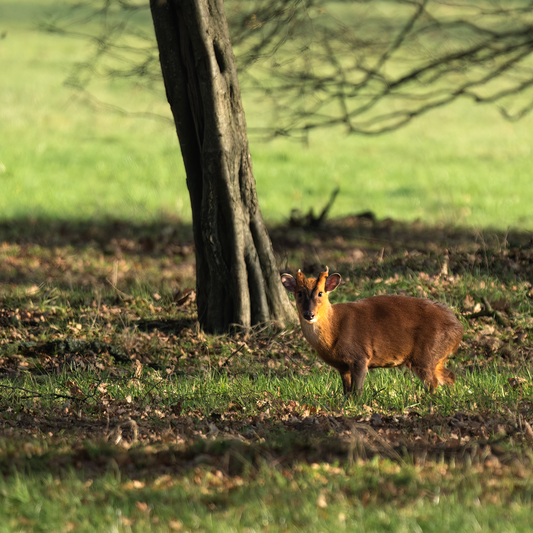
x,y
32,290
138,369
143,507
186,298
74,389
516,382
528,432
469,302
321,501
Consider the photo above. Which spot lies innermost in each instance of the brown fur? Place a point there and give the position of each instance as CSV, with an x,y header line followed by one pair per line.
x,y
376,332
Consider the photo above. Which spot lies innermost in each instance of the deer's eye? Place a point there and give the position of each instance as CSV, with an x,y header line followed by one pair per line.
x,y
300,294
320,294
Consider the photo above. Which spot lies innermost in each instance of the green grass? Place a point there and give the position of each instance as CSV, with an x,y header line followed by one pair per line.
x,y
203,393
60,158
117,413
471,169
349,498
177,430
97,486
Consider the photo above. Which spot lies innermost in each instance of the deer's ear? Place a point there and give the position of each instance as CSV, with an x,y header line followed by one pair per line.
x,y
332,282
288,282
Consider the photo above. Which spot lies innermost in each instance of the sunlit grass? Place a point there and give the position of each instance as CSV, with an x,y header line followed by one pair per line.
x,y
389,392
376,496
60,158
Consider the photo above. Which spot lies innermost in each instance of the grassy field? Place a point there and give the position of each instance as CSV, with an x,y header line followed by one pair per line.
x,y
62,158
117,413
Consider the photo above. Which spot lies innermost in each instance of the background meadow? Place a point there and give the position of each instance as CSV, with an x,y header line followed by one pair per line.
x,y
66,155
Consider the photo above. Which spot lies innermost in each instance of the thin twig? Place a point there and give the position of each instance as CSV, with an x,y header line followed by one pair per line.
x,y
40,395
152,388
123,295
234,353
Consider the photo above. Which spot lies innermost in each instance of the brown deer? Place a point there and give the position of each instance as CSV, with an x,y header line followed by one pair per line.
x,y
376,332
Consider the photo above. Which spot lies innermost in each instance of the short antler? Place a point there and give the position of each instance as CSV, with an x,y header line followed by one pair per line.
x,y
300,278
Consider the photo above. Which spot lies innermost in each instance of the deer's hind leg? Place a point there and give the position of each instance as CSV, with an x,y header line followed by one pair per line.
x,y
423,364
444,376
427,375
346,377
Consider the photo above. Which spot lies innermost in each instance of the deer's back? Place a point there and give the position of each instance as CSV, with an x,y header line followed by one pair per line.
x,y
388,330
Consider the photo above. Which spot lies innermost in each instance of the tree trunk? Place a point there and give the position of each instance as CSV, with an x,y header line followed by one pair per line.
x,y
236,275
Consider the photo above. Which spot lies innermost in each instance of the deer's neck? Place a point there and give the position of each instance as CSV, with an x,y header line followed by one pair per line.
x,y
320,333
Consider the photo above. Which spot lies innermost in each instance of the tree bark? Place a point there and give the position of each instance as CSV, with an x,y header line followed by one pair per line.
x,y
236,275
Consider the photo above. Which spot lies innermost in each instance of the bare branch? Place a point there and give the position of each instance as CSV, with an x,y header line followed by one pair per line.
x,y
370,66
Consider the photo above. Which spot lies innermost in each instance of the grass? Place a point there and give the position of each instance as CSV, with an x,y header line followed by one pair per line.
x,y
468,171
276,503
207,392
117,413
64,159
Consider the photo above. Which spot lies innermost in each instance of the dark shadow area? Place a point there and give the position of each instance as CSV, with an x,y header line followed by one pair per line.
x,y
315,439
358,244
167,236
390,235
342,234
363,245
167,325
65,352
85,259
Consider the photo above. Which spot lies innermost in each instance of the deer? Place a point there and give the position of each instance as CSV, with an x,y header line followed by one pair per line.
x,y
377,332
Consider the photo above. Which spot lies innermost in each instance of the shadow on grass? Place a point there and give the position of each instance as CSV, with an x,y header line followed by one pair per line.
x,y
167,326
341,233
366,247
105,235
308,440
83,258
357,243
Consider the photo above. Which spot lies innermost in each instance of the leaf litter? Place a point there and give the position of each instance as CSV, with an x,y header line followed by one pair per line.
x,y
98,311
